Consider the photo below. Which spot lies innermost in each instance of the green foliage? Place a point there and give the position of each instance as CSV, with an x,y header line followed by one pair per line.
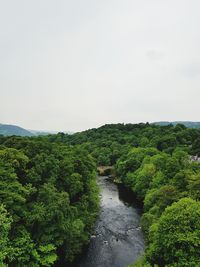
x,y
47,255
109,142
50,197
50,191
142,263
5,224
152,160
143,179
171,223
175,238
193,186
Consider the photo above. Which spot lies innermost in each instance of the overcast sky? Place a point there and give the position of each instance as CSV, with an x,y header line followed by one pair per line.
x,y
78,64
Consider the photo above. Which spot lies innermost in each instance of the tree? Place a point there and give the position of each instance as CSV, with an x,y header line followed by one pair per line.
x,y
175,238
144,177
5,225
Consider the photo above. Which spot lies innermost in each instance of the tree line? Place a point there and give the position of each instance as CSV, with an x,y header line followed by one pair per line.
x,y
107,143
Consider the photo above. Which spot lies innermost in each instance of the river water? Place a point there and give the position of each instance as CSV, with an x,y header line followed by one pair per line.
x,y
117,239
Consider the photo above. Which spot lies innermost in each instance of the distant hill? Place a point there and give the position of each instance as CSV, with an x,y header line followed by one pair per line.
x,y
8,130
49,132
36,133
189,124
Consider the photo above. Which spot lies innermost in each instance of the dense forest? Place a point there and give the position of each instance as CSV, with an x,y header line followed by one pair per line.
x,y
169,187
49,197
109,142
48,201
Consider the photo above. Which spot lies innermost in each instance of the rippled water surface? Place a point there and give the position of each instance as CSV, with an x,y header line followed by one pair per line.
x,y
117,240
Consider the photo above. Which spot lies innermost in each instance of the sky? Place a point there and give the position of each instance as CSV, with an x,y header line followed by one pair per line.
x,y
72,65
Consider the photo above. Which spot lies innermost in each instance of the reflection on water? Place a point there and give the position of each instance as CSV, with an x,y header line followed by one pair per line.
x,y
117,239
129,198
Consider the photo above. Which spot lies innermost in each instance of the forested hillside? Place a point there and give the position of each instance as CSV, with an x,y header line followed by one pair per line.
x,y
107,143
8,130
189,124
49,199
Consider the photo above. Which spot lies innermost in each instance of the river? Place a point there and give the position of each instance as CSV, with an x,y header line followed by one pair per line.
x,y
117,239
